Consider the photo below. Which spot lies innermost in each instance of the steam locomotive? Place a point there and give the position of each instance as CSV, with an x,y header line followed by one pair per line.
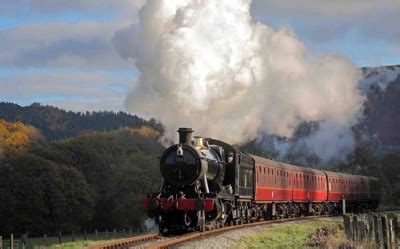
x,y
207,183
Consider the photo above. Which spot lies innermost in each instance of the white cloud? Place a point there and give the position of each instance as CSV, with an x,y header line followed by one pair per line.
x,y
68,89
66,62
322,7
325,21
61,45
52,7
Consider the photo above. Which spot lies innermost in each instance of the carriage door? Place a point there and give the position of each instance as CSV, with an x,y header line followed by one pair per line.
x,y
246,176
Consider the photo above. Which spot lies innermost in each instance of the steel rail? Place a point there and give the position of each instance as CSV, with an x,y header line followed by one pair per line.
x,y
124,243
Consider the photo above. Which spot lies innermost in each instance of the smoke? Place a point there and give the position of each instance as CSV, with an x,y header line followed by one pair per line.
x,y
330,142
150,225
208,65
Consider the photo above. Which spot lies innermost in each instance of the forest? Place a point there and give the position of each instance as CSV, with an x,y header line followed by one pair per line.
x,y
73,172
92,181
54,123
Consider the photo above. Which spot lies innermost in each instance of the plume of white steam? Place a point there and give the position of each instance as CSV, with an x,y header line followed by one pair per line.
x,y
150,225
208,65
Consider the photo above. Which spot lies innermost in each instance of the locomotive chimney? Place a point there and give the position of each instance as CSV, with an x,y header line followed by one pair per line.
x,y
185,135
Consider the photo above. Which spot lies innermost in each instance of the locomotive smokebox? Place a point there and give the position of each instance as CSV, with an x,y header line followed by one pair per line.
x,y
185,135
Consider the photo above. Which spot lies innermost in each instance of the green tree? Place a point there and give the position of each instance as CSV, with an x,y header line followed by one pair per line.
x,y
39,195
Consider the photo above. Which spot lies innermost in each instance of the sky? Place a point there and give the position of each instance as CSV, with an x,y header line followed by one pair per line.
x,y
63,52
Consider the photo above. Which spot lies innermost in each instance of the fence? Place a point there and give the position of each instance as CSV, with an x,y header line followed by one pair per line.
x,y
25,242
381,229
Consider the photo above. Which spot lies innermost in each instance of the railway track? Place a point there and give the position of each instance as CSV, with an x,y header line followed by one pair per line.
x,y
127,242
156,241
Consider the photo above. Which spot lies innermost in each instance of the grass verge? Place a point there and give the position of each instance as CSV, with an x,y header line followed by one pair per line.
x,y
67,241
294,235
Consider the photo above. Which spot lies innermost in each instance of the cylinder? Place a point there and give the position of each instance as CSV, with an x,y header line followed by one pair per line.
x,y
185,135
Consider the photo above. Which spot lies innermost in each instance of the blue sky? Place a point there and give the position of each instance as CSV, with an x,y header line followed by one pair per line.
x,y
62,52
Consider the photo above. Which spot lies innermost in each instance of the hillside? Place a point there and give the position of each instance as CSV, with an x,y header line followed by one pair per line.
x,y
382,110
88,182
54,123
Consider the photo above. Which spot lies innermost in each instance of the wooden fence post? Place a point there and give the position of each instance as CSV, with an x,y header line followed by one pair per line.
x,y
371,231
1,242
23,240
343,206
392,234
385,231
347,225
355,228
396,229
59,237
115,232
130,231
377,228
11,241
95,232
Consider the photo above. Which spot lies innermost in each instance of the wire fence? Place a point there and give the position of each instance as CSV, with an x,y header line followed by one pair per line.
x,y
45,241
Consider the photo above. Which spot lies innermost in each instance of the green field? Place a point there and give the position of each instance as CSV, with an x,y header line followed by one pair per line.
x,y
292,235
67,241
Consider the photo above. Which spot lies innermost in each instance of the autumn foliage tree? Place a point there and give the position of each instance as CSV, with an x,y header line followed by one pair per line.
x,y
15,137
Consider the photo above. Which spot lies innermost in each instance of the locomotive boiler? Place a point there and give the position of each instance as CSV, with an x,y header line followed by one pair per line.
x,y
207,183
196,167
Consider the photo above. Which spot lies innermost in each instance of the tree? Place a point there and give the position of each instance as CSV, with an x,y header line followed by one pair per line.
x,y
39,195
